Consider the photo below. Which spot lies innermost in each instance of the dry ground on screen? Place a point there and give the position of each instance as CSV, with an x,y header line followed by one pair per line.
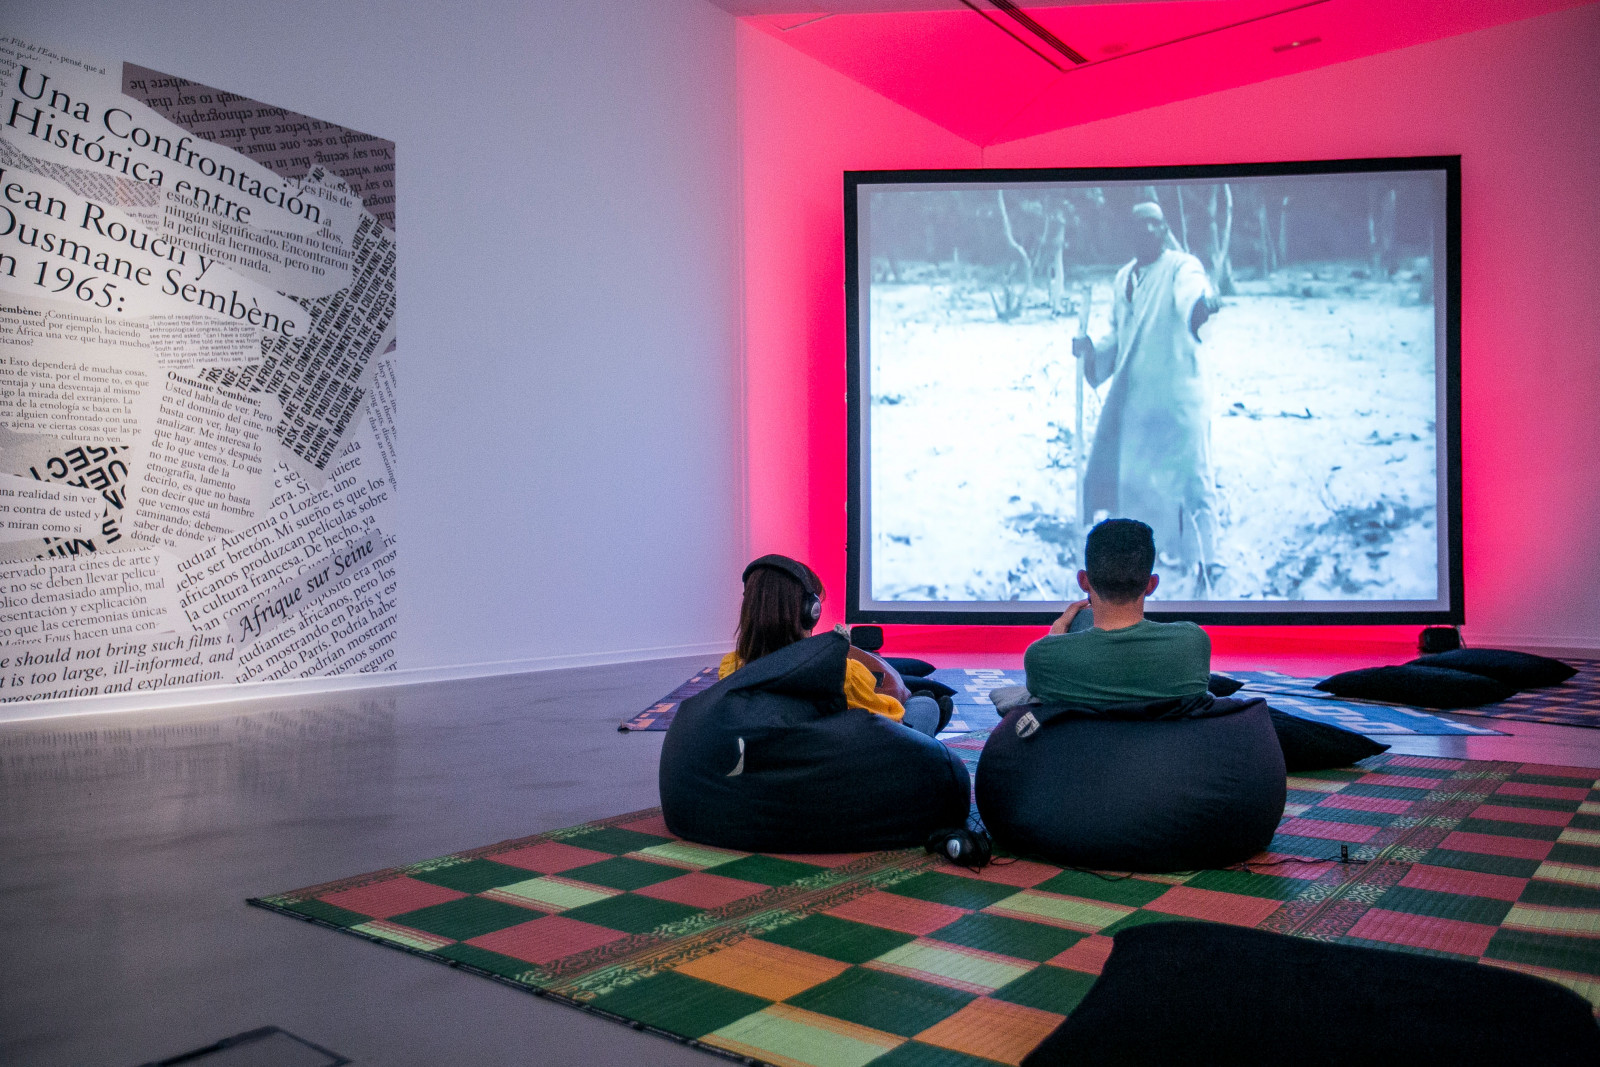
x,y
1322,440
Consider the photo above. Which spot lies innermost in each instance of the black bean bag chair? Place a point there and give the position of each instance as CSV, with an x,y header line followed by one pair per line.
x,y
771,760
1206,993
1166,786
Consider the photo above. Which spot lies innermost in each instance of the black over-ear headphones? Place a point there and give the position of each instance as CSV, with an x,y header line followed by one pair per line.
x,y
962,846
811,609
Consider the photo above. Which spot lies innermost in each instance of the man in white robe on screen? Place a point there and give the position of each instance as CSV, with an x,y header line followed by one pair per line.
x,y
1151,458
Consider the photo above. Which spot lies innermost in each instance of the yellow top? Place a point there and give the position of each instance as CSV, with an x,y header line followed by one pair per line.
x,y
859,687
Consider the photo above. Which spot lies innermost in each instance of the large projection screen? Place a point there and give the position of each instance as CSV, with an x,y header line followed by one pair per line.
x,y
1270,380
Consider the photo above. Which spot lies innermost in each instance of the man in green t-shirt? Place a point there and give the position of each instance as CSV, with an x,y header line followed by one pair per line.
x,y
1124,657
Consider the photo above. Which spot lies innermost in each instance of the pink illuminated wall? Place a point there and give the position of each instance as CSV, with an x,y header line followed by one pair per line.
x,y
803,126
1517,102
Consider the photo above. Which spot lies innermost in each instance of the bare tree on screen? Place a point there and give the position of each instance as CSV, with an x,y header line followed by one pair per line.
x,y
1183,221
1221,238
1012,304
1283,233
1269,250
1381,206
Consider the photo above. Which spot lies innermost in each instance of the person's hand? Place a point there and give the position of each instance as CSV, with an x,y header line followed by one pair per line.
x,y
1207,306
1061,624
1082,347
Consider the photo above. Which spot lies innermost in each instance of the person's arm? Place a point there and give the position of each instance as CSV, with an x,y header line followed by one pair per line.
x,y
1193,294
1061,624
1200,658
1034,668
1205,307
1099,355
860,692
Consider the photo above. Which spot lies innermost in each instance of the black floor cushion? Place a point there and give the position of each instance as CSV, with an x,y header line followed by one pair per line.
x,y
1319,746
928,686
1204,993
907,666
1419,686
1520,670
1221,685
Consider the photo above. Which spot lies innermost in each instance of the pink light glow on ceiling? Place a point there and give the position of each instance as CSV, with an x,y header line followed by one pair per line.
x,y
989,77
1516,102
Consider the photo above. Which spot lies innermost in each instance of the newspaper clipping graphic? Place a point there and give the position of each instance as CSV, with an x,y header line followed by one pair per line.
x,y
197,385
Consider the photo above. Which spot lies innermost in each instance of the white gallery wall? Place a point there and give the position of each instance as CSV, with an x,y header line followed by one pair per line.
x,y
569,402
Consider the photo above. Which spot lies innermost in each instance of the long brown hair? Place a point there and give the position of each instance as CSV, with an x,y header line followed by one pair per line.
x,y
773,613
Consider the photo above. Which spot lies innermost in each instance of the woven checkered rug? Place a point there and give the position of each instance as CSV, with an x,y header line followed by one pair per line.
x,y
897,958
1293,695
658,716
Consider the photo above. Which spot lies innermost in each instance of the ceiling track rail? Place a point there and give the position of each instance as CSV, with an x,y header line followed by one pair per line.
x,y
1033,31
1003,28
1219,29
1029,23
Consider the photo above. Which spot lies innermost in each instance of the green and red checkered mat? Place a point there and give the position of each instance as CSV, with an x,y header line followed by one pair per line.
x,y
896,958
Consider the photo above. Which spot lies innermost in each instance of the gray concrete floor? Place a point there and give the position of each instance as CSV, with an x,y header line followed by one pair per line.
x,y
129,842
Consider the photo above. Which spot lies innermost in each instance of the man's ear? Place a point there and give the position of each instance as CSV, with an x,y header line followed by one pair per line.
x,y
1083,581
1155,580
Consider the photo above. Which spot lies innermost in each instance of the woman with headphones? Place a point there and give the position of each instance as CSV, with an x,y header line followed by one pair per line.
x,y
782,603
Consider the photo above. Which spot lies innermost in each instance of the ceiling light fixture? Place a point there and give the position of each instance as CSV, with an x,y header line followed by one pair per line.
x,y
1302,43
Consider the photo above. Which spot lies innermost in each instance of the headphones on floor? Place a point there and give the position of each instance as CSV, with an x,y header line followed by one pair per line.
x,y
962,846
811,608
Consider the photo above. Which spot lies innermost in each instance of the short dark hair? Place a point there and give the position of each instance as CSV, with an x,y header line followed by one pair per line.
x,y
1119,555
772,615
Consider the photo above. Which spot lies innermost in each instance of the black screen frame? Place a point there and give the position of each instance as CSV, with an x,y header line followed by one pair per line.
x,y
854,181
